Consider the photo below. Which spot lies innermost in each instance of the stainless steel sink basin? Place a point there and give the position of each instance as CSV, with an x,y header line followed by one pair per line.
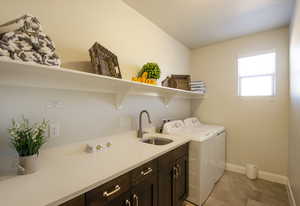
x,y
157,141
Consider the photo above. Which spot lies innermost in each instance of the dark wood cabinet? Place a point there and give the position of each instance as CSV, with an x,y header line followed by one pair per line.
x,y
173,177
165,180
122,200
78,201
109,192
181,181
145,193
161,182
136,188
144,185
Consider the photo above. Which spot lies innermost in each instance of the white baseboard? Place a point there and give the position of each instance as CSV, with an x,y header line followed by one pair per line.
x,y
235,168
261,174
290,194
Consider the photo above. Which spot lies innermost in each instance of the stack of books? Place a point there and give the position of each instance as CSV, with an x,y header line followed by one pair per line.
x,y
198,86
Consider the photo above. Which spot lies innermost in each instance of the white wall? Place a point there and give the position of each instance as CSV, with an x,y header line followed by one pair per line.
x,y
294,132
256,126
75,25
81,115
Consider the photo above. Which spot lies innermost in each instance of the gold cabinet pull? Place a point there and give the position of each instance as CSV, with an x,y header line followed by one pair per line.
x,y
136,200
128,203
148,171
107,194
178,170
175,174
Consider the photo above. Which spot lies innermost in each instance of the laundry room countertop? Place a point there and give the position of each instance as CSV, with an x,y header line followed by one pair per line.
x,y
68,171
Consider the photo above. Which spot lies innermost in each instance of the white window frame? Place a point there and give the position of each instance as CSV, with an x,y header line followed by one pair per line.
x,y
274,75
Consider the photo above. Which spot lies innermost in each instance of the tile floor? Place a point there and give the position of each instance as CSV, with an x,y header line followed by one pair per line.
x,y
235,189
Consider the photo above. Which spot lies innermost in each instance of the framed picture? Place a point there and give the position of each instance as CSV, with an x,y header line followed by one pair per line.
x,y
104,61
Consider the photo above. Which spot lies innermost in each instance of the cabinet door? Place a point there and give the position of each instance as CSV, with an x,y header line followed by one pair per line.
x,y
145,193
181,181
165,180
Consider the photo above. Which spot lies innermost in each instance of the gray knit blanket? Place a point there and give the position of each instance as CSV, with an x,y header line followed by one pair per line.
x,y
28,43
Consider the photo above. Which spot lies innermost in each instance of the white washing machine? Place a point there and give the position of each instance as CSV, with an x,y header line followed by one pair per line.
x,y
206,156
219,144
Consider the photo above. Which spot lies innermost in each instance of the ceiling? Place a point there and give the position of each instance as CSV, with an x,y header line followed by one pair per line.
x,y
200,22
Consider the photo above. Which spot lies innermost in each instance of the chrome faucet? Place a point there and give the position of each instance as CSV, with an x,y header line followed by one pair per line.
x,y
140,129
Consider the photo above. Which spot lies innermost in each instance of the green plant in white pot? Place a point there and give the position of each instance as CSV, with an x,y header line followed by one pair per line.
x,y
27,140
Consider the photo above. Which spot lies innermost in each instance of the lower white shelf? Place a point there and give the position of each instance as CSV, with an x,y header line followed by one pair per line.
x,y
32,75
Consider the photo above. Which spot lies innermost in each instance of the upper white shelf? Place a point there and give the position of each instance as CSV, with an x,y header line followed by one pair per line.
x,y
21,74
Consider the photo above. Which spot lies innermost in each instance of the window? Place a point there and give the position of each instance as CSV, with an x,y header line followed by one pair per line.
x,y
256,75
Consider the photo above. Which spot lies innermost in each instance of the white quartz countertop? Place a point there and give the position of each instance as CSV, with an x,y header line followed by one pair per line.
x,y
68,171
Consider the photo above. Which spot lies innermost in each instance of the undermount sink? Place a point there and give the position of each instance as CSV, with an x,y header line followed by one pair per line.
x,y
157,141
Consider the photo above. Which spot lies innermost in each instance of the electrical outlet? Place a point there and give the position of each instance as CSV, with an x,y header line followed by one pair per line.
x,y
54,129
56,104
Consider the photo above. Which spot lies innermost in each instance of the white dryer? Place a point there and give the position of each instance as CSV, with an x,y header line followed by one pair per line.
x,y
203,153
219,145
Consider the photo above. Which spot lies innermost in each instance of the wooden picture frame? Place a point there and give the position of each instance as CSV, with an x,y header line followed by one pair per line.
x,y
104,61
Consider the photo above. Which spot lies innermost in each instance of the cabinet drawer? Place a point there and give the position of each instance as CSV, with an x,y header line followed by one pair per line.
x,y
108,191
78,201
141,173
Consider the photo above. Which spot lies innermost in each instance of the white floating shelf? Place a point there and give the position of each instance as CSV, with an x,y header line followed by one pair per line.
x,y
21,74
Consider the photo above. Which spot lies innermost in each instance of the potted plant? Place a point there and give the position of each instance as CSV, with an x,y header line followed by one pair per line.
x,y
27,140
152,69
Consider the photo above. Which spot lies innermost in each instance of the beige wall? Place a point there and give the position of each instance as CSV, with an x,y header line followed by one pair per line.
x,y
256,126
75,25
81,116
294,139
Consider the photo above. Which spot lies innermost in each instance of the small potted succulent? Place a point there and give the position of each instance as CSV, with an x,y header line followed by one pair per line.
x,y
27,140
152,69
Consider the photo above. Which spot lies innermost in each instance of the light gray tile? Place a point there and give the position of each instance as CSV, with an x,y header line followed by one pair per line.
x,y
254,203
237,190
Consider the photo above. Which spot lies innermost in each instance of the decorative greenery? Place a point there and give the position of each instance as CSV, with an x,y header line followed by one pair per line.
x,y
152,69
26,139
